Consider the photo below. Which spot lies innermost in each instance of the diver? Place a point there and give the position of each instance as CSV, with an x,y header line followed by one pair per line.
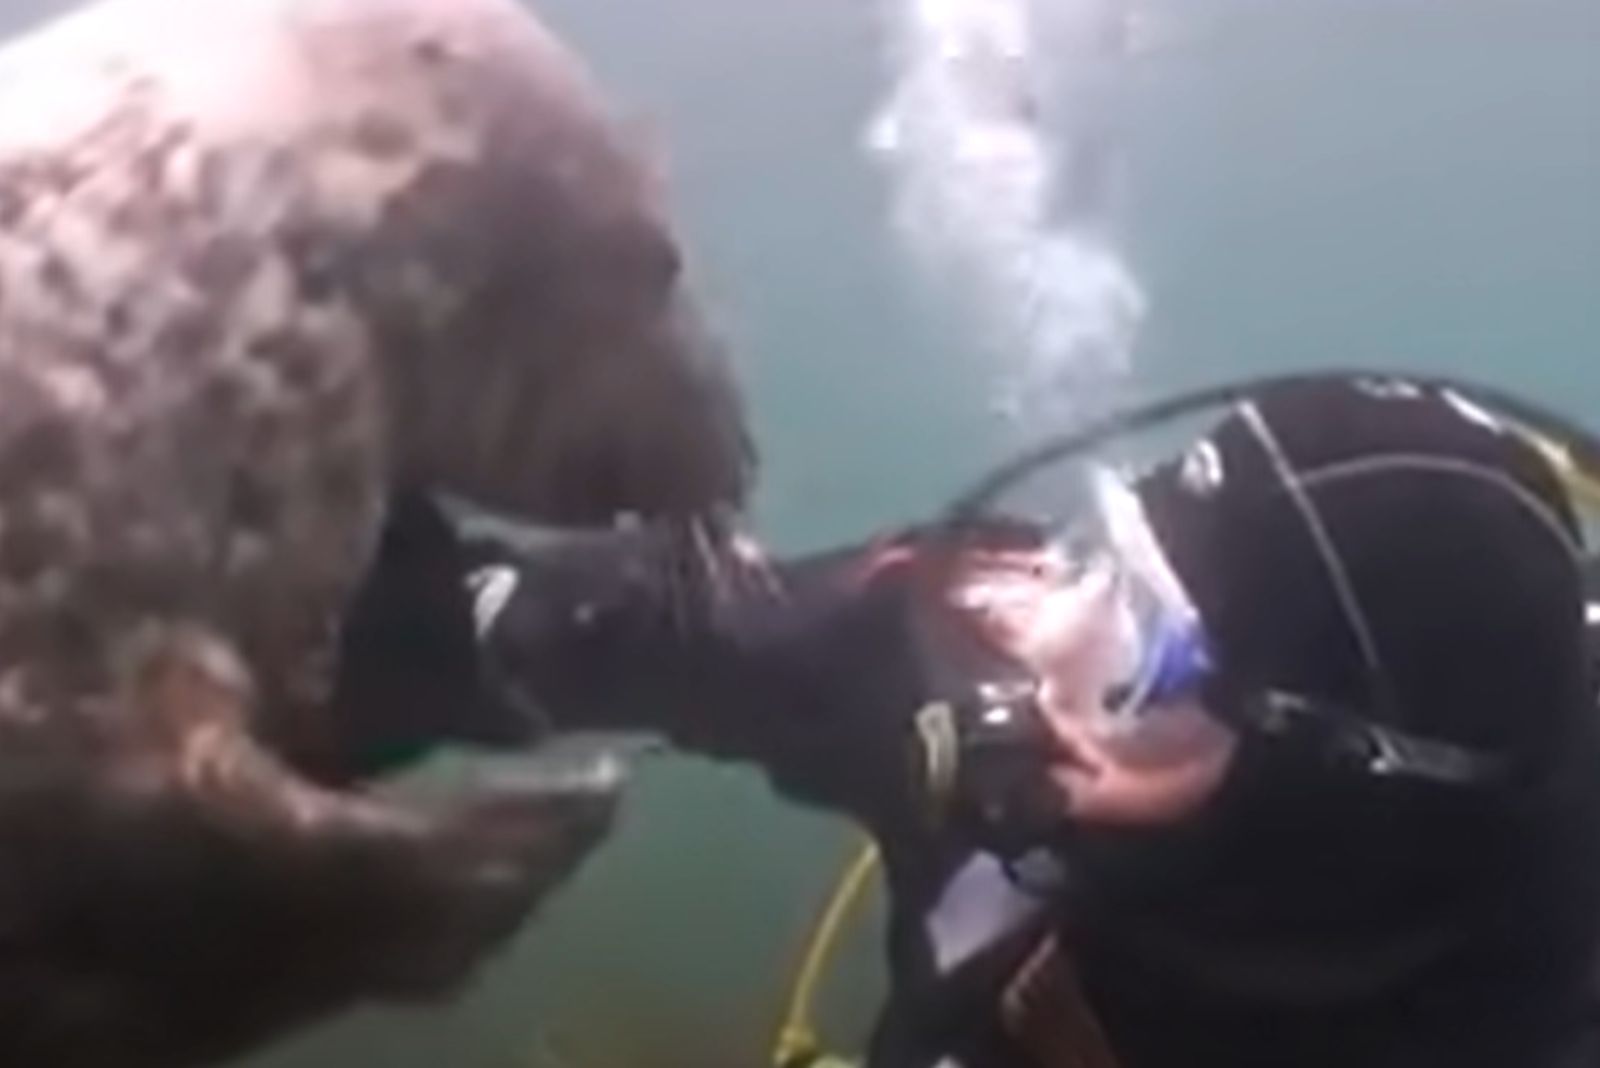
x,y
1282,753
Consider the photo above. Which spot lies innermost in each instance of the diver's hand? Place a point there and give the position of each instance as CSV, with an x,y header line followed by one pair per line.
x,y
1144,774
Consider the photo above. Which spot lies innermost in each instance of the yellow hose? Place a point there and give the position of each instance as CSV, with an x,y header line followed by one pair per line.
x,y
797,1038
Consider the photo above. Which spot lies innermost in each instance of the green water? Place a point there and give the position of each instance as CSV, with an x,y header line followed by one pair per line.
x,y
1405,182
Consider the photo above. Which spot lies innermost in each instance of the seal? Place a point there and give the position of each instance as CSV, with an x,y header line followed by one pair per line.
x,y
267,268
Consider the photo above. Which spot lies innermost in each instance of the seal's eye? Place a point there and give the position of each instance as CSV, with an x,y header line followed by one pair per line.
x,y
660,262
642,259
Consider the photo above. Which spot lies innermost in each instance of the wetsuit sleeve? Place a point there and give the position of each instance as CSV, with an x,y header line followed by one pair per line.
x,y
820,687
809,673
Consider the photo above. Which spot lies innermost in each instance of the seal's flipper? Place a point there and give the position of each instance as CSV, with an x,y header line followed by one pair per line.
x,y
191,864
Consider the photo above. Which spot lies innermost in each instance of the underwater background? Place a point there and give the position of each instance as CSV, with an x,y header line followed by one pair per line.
x,y
1237,186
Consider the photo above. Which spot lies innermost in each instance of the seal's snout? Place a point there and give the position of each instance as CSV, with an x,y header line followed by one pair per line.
x,y
644,418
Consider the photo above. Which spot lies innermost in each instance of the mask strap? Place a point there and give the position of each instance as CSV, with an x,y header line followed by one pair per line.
x,y
1322,540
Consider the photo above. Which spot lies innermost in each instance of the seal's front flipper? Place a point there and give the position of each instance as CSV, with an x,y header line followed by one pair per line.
x,y
294,901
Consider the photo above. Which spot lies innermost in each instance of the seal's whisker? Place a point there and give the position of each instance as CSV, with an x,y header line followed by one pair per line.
x,y
684,594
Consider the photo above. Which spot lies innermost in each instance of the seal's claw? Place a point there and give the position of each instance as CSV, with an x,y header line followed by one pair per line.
x,y
545,824
498,857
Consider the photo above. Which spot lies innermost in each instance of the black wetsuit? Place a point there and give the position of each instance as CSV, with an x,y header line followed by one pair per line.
x,y
1314,916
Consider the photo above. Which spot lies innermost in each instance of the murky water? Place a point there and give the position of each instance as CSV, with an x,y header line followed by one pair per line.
x,y
1254,184
1002,153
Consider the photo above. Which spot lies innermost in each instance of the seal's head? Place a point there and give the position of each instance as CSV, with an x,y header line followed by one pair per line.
x,y
525,293
286,259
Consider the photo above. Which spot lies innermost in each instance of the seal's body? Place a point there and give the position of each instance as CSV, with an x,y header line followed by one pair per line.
x,y
266,265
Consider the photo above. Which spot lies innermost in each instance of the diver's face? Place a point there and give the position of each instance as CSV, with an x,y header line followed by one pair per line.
x,y
1153,767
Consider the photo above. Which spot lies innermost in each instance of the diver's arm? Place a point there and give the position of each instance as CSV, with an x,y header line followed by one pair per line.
x,y
804,669
472,630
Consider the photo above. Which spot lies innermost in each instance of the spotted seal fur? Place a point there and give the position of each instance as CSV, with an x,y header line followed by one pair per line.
x,y
265,267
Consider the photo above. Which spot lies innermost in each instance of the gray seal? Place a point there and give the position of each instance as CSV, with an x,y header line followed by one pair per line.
x,y
267,266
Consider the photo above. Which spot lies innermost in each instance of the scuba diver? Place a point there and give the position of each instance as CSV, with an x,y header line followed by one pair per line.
x,y
1283,752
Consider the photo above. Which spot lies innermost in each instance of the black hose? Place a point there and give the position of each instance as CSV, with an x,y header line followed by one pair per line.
x,y
1584,444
